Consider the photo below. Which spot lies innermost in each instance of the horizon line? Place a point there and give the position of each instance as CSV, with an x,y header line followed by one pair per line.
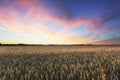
x,y
23,44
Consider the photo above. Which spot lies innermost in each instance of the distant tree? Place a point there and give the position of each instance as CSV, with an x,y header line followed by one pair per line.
x,y
0,44
21,44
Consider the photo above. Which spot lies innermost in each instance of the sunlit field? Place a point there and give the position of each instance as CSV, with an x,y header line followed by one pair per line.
x,y
59,62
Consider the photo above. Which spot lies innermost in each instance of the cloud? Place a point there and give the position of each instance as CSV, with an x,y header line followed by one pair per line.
x,y
35,13
115,40
105,22
8,20
30,15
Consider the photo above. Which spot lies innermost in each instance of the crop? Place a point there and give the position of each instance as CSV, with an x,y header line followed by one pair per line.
x,y
60,63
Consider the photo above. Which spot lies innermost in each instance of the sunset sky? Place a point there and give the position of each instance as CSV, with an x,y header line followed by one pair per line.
x,y
60,21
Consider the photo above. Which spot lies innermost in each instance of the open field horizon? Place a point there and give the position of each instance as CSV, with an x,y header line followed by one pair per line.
x,y
59,62
59,39
57,48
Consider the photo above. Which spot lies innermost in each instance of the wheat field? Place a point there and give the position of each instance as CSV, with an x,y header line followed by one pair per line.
x,y
59,62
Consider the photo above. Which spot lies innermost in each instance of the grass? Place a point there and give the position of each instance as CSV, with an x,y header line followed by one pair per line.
x,y
60,63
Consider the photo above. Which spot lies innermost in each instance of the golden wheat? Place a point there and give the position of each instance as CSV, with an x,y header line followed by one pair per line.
x,y
60,63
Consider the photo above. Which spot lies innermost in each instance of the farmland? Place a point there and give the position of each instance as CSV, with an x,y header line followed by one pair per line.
x,y
59,62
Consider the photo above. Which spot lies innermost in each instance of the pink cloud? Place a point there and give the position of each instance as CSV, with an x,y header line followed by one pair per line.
x,y
108,41
36,9
8,19
37,14
34,18
101,29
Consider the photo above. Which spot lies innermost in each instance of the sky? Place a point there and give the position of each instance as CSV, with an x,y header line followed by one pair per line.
x,y
60,21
